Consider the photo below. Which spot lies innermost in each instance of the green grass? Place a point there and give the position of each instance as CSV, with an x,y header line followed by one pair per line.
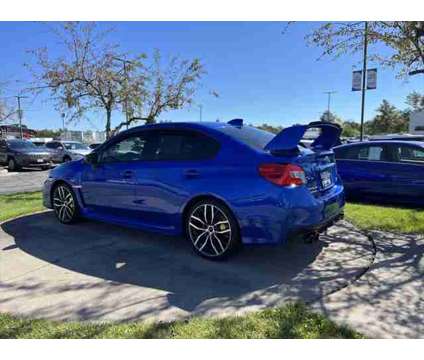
x,y
289,321
19,204
395,219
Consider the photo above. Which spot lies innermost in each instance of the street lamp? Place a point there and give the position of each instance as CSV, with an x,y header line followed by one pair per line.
x,y
125,62
329,93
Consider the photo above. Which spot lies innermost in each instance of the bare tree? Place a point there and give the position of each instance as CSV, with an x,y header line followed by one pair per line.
x,y
404,38
90,76
164,89
7,110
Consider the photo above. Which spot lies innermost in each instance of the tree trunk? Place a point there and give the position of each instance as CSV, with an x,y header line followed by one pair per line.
x,y
108,120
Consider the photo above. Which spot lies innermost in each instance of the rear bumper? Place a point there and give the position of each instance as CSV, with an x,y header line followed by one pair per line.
x,y
288,212
314,231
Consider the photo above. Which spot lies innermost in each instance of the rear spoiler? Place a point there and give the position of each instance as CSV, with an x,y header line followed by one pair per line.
x,y
289,138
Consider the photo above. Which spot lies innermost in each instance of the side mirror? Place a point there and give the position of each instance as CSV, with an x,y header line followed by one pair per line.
x,y
92,158
60,148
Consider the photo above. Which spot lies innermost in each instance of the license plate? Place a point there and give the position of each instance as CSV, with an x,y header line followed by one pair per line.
x,y
40,160
326,180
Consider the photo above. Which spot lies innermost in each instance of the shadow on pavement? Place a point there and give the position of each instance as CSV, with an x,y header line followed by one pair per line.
x,y
152,274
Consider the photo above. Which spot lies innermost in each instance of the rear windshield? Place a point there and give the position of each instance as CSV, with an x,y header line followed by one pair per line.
x,y
249,135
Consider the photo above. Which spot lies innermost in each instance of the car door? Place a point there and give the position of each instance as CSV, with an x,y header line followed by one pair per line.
x,y
175,164
362,168
53,147
108,187
406,170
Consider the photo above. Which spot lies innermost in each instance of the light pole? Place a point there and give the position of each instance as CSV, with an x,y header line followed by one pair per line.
x,y
20,114
329,93
63,125
364,71
200,111
125,62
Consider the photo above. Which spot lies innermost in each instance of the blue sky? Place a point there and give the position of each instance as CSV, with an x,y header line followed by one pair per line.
x,y
260,74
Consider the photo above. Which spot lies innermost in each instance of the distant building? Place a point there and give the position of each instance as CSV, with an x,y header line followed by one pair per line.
x,y
88,137
416,123
13,131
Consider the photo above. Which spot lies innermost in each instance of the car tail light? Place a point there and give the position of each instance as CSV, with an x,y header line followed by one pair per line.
x,y
283,174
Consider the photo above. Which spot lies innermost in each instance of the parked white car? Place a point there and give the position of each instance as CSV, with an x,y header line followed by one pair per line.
x,y
64,151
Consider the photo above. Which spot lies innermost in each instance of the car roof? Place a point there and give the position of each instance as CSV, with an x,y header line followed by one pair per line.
x,y
67,141
184,125
382,142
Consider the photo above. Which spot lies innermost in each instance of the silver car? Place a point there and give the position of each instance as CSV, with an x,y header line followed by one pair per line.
x,y
64,151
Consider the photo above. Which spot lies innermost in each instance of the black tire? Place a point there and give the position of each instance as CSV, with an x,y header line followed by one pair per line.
x,y
66,159
212,229
12,165
65,204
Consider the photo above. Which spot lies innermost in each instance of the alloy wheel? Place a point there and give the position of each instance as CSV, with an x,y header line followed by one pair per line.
x,y
210,230
64,204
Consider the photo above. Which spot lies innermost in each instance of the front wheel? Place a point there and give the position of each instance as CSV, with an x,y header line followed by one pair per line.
x,y
64,204
212,229
12,165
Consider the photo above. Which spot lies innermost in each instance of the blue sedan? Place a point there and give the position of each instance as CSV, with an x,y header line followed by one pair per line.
x,y
220,184
389,170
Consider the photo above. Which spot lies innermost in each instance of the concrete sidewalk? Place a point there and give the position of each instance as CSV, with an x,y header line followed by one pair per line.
x,y
94,271
100,272
388,301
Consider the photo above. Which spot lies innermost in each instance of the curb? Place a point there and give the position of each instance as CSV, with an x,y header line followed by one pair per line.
x,y
359,274
23,215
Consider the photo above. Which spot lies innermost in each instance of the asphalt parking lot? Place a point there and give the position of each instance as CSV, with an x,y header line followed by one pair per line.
x,y
94,271
22,181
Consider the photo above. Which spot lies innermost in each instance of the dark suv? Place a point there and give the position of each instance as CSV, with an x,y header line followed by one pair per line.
x,y
21,153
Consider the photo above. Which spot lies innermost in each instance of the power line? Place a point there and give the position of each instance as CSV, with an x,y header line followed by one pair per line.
x,y
329,93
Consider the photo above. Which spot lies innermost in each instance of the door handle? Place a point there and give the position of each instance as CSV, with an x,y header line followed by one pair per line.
x,y
191,173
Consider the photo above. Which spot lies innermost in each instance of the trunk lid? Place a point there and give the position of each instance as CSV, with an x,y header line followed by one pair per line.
x,y
320,169
289,138
318,162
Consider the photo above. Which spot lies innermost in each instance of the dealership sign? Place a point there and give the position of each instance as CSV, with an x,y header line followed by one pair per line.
x,y
356,80
371,80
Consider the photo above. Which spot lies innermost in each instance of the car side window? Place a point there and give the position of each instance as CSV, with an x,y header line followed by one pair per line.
x,y
347,152
371,153
128,149
185,145
405,153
